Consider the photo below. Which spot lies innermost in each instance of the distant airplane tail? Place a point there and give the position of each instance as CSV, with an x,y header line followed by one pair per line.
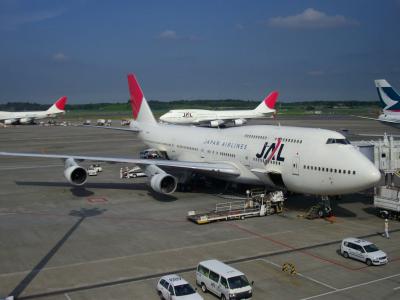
x,y
58,106
268,104
140,109
389,98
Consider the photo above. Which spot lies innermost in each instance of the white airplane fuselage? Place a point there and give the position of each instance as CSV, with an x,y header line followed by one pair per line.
x,y
298,159
34,115
26,117
390,119
195,116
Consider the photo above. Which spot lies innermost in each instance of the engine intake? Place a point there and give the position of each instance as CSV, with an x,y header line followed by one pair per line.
x,y
239,122
10,121
25,120
216,123
74,173
163,183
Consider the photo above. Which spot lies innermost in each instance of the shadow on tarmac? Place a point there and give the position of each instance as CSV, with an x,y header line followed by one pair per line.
x,y
81,214
89,185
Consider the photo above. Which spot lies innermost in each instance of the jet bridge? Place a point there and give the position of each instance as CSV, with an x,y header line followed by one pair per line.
x,y
385,154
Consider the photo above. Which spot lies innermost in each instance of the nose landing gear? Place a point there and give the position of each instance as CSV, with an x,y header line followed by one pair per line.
x,y
322,209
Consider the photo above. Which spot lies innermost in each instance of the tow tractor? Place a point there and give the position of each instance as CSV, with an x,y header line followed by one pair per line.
x,y
131,173
94,169
257,204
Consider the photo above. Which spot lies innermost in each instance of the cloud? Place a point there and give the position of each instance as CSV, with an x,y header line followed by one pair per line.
x,y
173,36
311,18
14,20
316,73
239,26
168,35
59,57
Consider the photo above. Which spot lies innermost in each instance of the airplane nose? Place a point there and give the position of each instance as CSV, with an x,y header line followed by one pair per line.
x,y
372,176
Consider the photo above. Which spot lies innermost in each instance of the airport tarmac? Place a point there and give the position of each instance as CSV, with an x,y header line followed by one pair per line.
x,y
114,238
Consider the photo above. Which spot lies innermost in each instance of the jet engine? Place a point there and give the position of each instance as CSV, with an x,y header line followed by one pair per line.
x,y
163,183
25,120
239,122
74,173
216,123
160,181
10,121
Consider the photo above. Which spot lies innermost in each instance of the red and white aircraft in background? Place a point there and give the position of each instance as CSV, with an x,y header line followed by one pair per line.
x,y
28,117
215,118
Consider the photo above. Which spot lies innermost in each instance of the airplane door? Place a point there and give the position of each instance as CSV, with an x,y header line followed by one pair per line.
x,y
295,165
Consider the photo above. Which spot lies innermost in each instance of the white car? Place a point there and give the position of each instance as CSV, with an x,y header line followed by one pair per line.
x,y
171,287
364,251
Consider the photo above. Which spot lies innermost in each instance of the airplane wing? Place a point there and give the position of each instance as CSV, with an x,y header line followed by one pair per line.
x,y
216,168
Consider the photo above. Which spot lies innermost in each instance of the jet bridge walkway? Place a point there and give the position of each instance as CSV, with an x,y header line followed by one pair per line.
x,y
258,205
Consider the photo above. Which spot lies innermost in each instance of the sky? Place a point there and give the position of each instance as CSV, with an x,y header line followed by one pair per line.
x,y
208,49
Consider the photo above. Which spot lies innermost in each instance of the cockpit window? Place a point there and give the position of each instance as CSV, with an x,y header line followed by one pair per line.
x,y
338,141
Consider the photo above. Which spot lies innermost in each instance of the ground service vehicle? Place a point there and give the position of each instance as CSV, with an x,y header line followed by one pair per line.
x,y
222,280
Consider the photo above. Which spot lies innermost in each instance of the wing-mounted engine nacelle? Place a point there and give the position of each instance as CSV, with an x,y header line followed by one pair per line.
x,y
160,181
74,173
216,123
239,122
10,121
25,120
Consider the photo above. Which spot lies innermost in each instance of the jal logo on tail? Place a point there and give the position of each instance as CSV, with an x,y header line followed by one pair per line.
x,y
267,153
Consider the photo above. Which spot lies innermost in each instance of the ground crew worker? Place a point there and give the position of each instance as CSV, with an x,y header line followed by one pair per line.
x,y
387,229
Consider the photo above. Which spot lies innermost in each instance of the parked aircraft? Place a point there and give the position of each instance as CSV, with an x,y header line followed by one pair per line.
x,y
390,102
297,159
215,118
28,117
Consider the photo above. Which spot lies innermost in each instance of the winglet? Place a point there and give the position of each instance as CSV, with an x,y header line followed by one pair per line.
x,y
271,99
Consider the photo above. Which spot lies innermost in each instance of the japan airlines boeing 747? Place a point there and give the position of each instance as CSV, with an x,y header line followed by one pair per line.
x,y
215,118
28,117
302,160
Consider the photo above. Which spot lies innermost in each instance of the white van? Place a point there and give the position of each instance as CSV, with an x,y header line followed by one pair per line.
x,y
364,251
223,280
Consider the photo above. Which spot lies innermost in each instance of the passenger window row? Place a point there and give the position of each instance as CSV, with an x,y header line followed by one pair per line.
x,y
331,170
227,154
274,162
261,137
187,147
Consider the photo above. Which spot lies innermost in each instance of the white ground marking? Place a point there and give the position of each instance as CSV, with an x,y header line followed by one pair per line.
x,y
351,287
67,296
301,275
396,288
143,254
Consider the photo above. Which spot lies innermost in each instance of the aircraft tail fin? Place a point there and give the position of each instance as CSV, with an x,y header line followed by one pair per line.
x,y
268,104
58,106
140,108
388,97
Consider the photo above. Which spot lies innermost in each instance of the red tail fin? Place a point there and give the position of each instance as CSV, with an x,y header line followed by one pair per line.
x,y
140,108
271,99
60,103
136,95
